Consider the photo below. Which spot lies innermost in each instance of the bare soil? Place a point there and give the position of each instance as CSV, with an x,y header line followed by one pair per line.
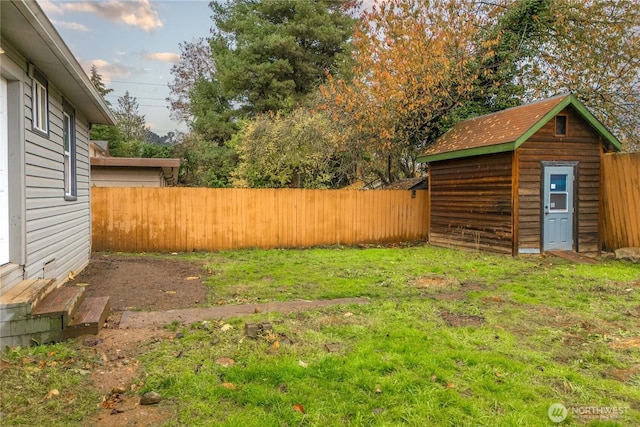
x,y
144,283
133,283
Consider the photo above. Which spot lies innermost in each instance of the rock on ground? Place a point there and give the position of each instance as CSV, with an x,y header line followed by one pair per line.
x,y
629,254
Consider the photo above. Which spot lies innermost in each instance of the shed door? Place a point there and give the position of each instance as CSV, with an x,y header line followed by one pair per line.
x,y
4,175
558,208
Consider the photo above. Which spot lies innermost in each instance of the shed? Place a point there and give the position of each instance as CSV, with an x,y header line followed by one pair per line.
x,y
521,180
134,172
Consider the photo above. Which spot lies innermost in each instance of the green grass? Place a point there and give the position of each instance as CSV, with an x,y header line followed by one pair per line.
x,y
544,331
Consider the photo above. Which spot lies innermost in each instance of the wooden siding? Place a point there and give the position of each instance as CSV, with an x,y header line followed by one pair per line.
x,y
126,177
471,203
187,219
56,229
621,200
583,145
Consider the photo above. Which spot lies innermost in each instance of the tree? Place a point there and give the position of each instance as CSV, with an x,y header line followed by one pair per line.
x,y
591,49
298,150
195,64
415,65
269,54
205,164
131,123
96,79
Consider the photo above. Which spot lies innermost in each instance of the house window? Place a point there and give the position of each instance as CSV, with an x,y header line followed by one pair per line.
x,y
561,125
40,104
69,139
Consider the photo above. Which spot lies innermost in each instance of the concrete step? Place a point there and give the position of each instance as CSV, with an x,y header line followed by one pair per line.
x,y
89,317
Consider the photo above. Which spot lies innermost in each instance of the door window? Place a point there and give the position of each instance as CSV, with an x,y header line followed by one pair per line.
x,y
558,195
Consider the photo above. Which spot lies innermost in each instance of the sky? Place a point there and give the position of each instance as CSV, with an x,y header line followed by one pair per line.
x,y
133,44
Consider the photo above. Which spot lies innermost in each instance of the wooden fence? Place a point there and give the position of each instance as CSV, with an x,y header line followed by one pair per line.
x,y
187,219
621,200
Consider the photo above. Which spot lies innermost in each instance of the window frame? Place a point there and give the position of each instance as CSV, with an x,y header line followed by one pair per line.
x,y
39,102
69,152
566,125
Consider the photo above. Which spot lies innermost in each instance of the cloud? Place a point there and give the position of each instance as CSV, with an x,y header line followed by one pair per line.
x,y
108,70
50,8
170,57
70,25
138,13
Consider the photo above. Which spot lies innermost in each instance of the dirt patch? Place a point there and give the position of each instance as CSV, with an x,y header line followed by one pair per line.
x,y
434,282
133,283
625,343
144,283
458,320
623,375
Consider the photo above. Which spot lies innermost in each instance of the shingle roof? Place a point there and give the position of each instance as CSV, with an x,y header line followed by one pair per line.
x,y
505,130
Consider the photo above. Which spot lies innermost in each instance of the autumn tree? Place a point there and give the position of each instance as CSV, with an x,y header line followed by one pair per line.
x,y
269,54
415,65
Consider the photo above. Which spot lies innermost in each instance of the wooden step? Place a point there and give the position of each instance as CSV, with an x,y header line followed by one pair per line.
x,y
27,292
89,317
61,301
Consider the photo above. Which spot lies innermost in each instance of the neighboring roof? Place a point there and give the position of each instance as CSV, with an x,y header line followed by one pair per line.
x,y
408,184
26,27
169,166
506,130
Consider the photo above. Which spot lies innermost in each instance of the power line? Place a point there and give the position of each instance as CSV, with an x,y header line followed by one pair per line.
x,y
139,97
139,83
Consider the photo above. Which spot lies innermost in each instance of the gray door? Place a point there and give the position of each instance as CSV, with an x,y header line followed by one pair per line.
x,y
558,208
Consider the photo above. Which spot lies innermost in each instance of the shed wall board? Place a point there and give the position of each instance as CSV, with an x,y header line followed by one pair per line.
x,y
126,177
582,144
471,202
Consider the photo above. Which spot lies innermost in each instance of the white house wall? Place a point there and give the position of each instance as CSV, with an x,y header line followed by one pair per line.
x,y
57,231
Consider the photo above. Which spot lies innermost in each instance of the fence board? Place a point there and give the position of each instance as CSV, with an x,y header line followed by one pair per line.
x,y
186,219
620,220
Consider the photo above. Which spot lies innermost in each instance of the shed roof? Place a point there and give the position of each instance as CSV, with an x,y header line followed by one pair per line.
x,y
506,130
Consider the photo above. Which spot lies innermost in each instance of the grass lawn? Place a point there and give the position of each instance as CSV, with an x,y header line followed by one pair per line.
x,y
449,338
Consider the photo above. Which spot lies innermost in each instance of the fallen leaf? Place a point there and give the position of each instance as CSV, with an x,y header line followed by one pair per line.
x,y
451,385
230,386
498,374
348,314
225,361
226,327
191,278
52,393
378,390
170,292
275,345
298,408
71,275
51,353
303,364
433,378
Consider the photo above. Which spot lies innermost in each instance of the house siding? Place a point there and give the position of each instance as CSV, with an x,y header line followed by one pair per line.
x,y
55,228
471,203
582,145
